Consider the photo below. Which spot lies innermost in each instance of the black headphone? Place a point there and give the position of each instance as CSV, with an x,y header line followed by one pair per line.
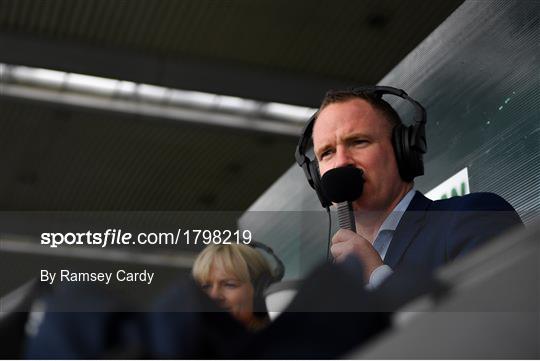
x,y
265,279
409,142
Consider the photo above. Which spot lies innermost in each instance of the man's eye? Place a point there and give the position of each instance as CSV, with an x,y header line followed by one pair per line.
x,y
359,141
230,285
325,153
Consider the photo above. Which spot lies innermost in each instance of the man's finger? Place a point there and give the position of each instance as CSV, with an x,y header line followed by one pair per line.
x,y
341,249
343,235
337,249
340,258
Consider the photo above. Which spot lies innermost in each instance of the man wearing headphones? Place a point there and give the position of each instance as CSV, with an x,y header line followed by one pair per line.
x,y
396,225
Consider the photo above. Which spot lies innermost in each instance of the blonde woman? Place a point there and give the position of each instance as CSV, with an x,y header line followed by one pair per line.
x,y
233,275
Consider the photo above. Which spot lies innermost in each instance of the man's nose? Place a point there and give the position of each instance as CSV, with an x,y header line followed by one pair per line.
x,y
342,158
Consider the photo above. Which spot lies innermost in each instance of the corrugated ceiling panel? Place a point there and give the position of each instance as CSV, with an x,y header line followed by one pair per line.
x,y
55,158
343,39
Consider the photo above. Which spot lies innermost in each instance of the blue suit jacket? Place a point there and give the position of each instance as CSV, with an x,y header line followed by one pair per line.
x,y
432,233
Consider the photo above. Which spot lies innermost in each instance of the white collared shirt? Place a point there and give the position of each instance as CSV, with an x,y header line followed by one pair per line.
x,y
384,238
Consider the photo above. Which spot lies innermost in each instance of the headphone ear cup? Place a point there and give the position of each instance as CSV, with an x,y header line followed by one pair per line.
x,y
314,169
259,286
398,144
415,158
316,177
409,161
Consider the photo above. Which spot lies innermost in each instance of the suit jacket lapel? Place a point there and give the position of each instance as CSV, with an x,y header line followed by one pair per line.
x,y
407,229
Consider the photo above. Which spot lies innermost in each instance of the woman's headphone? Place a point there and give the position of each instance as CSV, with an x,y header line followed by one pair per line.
x,y
409,142
265,279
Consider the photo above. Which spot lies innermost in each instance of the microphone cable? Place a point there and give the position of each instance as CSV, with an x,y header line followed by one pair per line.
x,y
329,233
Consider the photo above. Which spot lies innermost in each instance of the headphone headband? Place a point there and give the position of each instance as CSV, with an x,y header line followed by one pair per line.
x,y
279,272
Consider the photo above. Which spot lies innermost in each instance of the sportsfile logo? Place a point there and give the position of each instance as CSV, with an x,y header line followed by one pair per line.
x,y
119,237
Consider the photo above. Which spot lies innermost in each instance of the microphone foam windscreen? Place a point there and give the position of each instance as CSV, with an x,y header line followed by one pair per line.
x,y
343,184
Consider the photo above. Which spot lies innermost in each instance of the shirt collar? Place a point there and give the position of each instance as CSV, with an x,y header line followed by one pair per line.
x,y
391,222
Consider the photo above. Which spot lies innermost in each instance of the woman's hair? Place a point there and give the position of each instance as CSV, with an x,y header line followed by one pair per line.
x,y
244,262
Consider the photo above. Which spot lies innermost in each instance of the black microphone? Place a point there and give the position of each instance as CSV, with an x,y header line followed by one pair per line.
x,y
344,185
